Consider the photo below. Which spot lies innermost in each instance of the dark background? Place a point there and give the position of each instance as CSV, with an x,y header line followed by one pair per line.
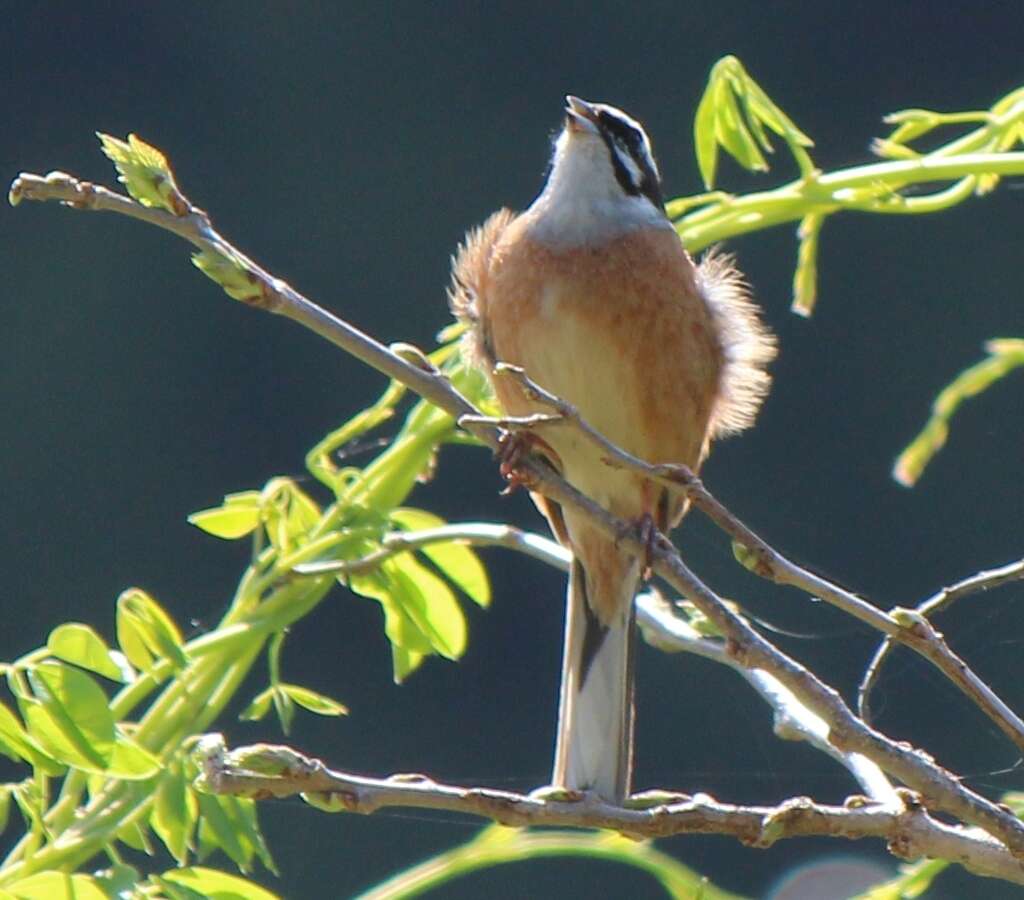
x,y
348,147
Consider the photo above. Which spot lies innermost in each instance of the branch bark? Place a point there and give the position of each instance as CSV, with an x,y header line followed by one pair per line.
x,y
265,771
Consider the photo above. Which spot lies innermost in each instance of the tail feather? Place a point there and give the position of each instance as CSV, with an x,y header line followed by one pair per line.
x,y
594,749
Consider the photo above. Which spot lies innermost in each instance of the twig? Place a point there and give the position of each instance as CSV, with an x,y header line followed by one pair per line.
x,y
265,771
477,534
906,626
664,628
750,650
982,581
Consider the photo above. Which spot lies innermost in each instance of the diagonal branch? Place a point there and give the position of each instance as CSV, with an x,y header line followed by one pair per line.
x,y
749,649
908,627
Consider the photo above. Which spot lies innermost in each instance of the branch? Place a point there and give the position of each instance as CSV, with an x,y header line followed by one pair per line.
x,y
906,626
663,628
249,283
264,771
983,581
661,625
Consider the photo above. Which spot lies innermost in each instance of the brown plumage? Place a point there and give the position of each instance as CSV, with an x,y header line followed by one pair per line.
x,y
591,292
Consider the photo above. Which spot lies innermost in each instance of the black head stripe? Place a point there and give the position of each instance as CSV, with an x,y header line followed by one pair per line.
x,y
624,139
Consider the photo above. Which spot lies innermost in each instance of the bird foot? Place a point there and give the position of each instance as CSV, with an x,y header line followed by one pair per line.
x,y
513,448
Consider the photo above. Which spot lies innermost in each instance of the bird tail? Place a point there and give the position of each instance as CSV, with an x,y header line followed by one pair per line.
x,y
594,749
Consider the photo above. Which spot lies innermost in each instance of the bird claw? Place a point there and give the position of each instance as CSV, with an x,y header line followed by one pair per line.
x,y
513,448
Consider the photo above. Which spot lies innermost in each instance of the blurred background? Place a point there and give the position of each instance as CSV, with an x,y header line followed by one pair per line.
x,y
348,147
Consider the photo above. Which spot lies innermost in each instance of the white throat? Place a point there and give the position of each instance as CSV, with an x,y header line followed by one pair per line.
x,y
583,202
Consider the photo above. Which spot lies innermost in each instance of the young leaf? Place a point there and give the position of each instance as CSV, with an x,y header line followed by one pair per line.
x,y
404,662
217,831
238,516
1005,354
79,645
147,624
314,702
457,561
733,113
70,716
203,882
429,602
130,761
17,744
175,809
56,886
258,707
229,272
145,172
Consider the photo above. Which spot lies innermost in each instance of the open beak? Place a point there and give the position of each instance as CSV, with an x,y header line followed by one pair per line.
x,y
580,115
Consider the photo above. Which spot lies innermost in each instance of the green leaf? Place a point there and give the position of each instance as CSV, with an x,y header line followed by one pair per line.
x,y
314,702
216,831
457,561
16,743
238,516
136,836
69,716
404,662
284,708
289,512
79,645
805,279
145,631
230,272
431,605
216,885
1005,354
733,113
258,707
175,810
131,761
145,172
230,823
57,886
398,626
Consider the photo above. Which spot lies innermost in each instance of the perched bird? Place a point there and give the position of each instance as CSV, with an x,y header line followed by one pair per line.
x,y
591,292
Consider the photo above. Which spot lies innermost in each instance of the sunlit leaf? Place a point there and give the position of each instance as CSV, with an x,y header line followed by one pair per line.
x,y
258,707
146,632
430,603
314,702
145,172
238,516
80,645
56,886
70,717
1005,354
230,272
215,884
175,809
131,761
18,744
457,561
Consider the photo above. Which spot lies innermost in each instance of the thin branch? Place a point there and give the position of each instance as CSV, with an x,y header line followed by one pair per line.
x,y
906,626
982,581
266,771
937,787
475,533
664,628
660,624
